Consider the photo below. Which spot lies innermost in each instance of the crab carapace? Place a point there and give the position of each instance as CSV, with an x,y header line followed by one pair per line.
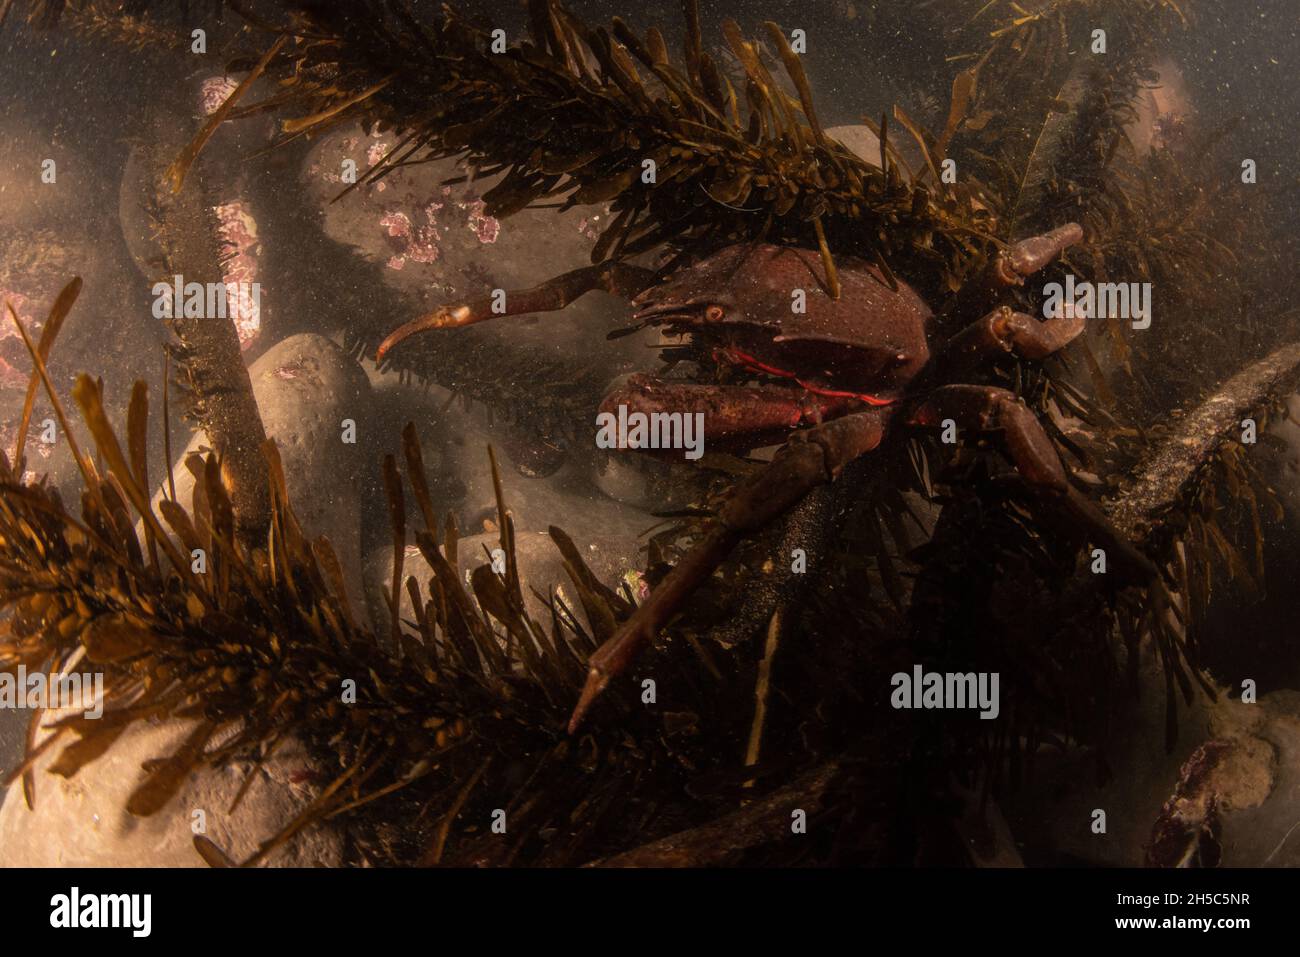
x,y
835,381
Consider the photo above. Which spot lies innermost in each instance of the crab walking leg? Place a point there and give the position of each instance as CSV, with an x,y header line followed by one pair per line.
x,y
1005,330
1030,255
733,414
620,279
811,458
1000,414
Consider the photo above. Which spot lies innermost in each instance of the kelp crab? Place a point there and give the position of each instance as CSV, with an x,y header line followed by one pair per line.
x,y
863,359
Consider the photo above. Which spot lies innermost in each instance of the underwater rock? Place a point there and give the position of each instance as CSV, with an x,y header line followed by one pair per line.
x,y
1284,478
455,444
145,210
863,142
629,479
860,139
428,231
430,243
54,224
82,821
306,387
611,557
439,246
55,228
541,567
1163,112
1235,801
607,533
566,499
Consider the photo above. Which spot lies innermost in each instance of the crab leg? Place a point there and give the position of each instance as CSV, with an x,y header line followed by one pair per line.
x,y
1005,330
1000,414
733,414
811,458
620,279
1030,255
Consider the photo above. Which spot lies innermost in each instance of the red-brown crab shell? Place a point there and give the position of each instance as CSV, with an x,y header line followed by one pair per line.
x,y
742,300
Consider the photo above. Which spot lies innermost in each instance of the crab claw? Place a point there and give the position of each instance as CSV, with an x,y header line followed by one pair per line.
x,y
444,318
1030,255
658,304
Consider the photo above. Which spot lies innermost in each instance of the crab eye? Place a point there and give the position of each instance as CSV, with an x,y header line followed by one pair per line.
x,y
713,313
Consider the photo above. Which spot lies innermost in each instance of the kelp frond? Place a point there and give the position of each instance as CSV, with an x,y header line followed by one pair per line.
x,y
686,158
260,645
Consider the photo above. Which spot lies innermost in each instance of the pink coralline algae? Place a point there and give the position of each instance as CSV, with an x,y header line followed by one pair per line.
x,y
238,231
11,344
412,243
214,91
415,229
398,225
487,228
327,175
298,370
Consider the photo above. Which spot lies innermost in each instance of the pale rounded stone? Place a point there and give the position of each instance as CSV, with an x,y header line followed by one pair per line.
x,y
305,387
82,821
859,139
1159,110
427,231
607,533
1284,478
1246,757
1258,787
625,480
437,245
541,568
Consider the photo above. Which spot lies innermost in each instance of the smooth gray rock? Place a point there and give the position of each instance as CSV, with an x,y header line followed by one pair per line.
x,y
436,244
859,139
82,821
540,566
607,533
1256,782
305,387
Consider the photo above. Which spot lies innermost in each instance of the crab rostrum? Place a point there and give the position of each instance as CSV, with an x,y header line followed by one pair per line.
x,y
832,381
